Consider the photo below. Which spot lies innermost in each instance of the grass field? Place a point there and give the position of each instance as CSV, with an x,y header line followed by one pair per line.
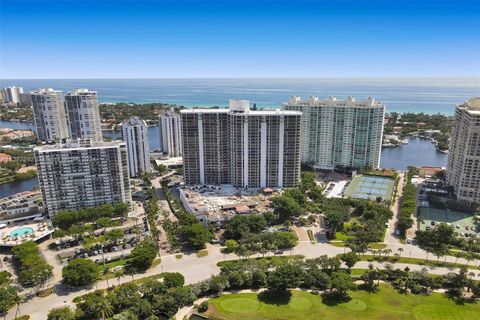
x,y
386,304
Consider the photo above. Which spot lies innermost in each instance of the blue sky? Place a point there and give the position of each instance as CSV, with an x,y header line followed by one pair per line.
x,y
162,39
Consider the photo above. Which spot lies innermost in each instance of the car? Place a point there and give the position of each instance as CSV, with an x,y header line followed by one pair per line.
x,y
114,248
432,223
467,228
397,232
85,255
95,252
428,228
457,226
100,251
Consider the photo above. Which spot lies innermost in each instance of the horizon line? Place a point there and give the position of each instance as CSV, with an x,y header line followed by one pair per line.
x,y
282,77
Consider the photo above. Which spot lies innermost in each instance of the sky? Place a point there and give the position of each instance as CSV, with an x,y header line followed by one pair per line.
x,y
199,39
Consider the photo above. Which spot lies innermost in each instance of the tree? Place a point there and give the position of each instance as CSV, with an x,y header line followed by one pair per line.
x,y
114,235
61,313
369,278
241,225
142,255
18,300
173,279
350,259
436,240
196,235
341,282
286,207
334,221
230,245
8,298
80,272
285,277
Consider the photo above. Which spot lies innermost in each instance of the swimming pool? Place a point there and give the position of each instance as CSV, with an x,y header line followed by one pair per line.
x,y
21,231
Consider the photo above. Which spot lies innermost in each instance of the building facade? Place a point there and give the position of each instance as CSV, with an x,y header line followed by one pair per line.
x,y
240,147
135,135
78,175
170,134
463,170
340,133
12,94
83,115
49,114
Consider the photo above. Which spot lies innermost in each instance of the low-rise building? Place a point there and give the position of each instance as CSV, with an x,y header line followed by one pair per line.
x,y
217,204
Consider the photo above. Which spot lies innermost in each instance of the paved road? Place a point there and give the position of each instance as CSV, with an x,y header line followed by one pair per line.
x,y
196,269
390,236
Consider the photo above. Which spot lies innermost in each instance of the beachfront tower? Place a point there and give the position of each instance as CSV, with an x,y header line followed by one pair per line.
x,y
49,114
170,134
83,115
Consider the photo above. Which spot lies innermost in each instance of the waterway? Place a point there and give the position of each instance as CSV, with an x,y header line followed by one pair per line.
x,y
418,152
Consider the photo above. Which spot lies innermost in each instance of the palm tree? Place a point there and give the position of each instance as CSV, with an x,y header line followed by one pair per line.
x,y
104,308
105,273
118,275
387,252
400,251
456,255
18,301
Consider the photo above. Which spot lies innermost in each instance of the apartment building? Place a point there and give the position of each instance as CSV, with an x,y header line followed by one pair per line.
x,y
463,170
76,175
135,135
241,147
83,115
12,94
339,133
170,134
49,114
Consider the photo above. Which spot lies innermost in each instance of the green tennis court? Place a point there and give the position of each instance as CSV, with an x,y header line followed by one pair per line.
x,y
370,187
460,220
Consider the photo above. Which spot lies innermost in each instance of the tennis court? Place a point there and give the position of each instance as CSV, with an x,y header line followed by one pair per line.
x,y
370,187
459,220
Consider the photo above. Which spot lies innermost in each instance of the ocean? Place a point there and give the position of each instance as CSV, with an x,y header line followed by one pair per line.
x,y
428,95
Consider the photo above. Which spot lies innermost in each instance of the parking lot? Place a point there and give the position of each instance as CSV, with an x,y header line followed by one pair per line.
x,y
71,248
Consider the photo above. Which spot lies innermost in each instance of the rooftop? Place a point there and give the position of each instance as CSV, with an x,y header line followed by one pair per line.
x,y
78,145
332,101
471,106
242,107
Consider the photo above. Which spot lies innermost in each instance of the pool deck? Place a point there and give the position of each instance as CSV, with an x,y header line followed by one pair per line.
x,y
40,230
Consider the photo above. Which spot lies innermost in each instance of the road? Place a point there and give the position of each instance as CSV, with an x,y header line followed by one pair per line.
x,y
390,236
196,269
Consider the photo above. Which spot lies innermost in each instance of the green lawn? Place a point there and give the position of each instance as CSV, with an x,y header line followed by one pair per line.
x,y
386,304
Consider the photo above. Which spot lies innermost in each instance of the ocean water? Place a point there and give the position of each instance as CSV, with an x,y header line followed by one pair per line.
x,y
429,95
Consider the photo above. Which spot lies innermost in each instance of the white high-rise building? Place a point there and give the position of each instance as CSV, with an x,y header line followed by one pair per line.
x,y
77,175
340,133
135,135
170,134
12,94
463,170
241,147
49,114
83,115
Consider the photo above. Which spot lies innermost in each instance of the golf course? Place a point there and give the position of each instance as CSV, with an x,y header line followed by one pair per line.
x,y
384,304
